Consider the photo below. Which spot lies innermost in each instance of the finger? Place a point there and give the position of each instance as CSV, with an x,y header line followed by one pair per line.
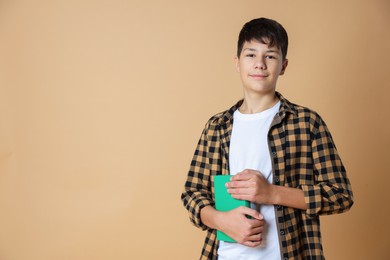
x,y
241,190
251,212
255,237
235,184
248,197
258,229
256,224
252,243
241,184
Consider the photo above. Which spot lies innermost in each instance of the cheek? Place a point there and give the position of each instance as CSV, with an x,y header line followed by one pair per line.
x,y
244,68
275,68
243,73
280,66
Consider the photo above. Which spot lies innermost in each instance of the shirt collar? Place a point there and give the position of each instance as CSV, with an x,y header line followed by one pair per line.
x,y
285,107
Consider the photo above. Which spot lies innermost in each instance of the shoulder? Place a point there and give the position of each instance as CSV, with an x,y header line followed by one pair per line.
x,y
305,116
223,118
216,119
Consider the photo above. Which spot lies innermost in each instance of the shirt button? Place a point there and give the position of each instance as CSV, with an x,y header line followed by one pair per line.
x,y
277,179
282,232
278,206
274,154
285,258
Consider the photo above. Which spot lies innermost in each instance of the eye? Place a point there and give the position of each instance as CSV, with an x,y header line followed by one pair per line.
x,y
251,55
270,57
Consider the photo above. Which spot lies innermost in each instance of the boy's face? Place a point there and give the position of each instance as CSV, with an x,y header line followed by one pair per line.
x,y
260,66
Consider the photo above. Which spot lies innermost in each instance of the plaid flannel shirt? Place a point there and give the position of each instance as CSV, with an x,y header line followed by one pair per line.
x,y
303,156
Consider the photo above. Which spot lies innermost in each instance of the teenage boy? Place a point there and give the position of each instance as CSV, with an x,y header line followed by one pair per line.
x,y
281,157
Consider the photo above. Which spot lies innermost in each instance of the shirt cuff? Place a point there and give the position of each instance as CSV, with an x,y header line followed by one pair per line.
x,y
313,199
199,204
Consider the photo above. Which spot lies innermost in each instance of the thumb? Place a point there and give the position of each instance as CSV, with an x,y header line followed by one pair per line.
x,y
251,212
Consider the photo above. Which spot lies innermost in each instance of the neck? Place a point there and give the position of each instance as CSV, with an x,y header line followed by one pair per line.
x,y
256,104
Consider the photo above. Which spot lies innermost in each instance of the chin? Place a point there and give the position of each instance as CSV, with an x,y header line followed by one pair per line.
x,y
260,90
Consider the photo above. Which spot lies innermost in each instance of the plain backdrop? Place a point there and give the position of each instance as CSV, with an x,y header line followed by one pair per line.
x,y
102,104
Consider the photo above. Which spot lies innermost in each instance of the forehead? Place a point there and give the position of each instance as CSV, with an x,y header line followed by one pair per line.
x,y
255,45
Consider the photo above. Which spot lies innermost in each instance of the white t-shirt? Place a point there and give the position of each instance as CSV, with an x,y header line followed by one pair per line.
x,y
249,150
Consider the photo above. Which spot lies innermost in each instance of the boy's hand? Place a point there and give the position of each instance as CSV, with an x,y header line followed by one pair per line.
x,y
244,230
252,186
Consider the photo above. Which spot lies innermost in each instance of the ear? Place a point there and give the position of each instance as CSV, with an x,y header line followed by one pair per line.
x,y
284,66
237,63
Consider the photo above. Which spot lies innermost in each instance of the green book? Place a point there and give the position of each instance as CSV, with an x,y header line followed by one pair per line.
x,y
225,202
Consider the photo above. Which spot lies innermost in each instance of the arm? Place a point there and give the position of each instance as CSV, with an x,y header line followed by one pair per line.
x,y
330,192
252,186
236,224
197,199
197,188
289,197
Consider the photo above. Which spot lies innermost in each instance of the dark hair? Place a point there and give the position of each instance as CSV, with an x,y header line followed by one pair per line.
x,y
266,31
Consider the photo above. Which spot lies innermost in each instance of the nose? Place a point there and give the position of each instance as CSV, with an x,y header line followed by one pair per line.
x,y
260,64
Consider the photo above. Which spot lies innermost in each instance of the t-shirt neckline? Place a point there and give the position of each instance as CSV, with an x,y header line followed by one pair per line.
x,y
257,116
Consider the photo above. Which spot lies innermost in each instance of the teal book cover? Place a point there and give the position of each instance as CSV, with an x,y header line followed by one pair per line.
x,y
225,202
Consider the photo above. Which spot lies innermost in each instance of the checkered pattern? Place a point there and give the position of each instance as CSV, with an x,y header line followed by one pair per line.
x,y
303,155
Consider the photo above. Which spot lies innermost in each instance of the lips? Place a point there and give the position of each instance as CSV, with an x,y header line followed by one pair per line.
x,y
257,76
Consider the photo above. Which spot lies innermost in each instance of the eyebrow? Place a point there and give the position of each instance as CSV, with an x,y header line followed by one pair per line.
x,y
253,49
250,49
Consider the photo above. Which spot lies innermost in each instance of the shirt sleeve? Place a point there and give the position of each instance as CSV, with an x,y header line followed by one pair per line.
x,y
197,189
331,193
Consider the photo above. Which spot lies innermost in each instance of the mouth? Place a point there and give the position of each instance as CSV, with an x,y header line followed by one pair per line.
x,y
257,76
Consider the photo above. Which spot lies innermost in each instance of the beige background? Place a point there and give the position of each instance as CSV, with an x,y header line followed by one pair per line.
x,y
102,103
